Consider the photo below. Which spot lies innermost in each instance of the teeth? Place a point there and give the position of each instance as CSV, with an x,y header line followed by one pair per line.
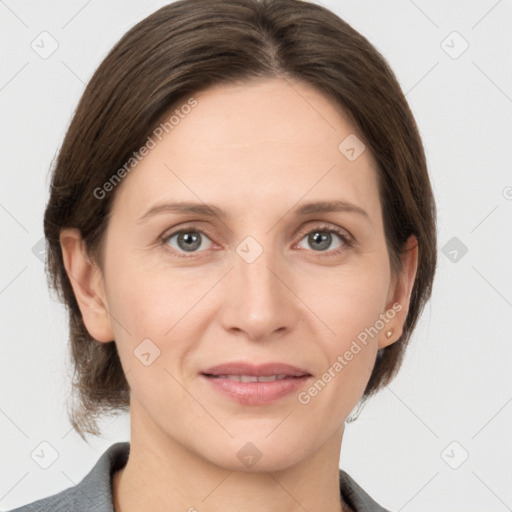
x,y
268,378
248,378
251,378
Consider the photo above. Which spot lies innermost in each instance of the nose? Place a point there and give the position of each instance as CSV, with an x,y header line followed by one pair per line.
x,y
259,302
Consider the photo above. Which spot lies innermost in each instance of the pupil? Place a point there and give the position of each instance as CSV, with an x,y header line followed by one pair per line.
x,y
191,241
322,239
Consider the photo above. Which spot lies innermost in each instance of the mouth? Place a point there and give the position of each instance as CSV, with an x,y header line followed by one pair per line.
x,y
251,378
251,384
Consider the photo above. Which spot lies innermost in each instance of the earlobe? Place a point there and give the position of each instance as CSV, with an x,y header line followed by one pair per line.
x,y
87,283
400,294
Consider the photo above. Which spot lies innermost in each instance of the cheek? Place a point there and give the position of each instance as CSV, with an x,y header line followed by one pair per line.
x,y
150,338
350,304
155,303
145,307
350,300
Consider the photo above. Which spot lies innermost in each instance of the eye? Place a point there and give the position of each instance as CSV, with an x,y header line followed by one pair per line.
x,y
321,237
186,240
191,240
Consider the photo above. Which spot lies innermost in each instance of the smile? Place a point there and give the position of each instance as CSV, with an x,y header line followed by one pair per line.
x,y
252,378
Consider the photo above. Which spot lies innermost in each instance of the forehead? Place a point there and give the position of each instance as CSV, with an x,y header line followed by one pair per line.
x,y
274,141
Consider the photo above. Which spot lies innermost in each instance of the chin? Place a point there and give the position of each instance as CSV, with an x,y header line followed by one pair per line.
x,y
257,455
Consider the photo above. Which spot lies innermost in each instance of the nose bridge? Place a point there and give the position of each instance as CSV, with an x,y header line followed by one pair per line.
x,y
259,303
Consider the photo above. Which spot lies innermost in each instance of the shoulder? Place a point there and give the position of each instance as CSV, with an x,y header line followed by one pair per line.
x,y
356,497
94,492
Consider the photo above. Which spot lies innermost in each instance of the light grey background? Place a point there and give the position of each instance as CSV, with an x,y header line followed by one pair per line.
x,y
456,382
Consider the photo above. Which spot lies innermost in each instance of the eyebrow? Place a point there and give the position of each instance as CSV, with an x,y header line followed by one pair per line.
x,y
210,210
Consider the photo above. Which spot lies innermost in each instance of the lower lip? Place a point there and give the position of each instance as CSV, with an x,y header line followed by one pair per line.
x,y
257,393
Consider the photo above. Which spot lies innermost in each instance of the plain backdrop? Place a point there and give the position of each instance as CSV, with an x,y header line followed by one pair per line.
x,y
439,438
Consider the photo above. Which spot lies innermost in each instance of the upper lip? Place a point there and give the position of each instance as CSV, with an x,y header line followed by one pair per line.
x,y
258,370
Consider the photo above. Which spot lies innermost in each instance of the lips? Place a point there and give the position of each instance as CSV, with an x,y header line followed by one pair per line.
x,y
252,378
251,384
261,370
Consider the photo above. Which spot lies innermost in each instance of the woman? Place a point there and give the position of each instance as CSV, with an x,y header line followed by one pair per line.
x,y
242,227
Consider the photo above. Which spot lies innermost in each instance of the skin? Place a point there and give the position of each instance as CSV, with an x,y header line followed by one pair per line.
x,y
272,143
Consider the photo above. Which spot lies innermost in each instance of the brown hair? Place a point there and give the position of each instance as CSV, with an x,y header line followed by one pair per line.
x,y
184,48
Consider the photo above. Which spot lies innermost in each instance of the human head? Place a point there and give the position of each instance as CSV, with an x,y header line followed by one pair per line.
x,y
175,54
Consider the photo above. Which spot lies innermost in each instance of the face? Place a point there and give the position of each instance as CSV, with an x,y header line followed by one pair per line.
x,y
260,283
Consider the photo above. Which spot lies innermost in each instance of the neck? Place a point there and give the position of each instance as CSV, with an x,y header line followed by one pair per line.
x,y
162,474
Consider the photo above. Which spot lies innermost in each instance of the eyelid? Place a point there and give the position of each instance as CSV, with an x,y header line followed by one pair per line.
x,y
326,226
347,239
185,229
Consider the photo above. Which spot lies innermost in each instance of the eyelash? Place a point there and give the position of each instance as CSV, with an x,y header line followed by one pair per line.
x,y
346,239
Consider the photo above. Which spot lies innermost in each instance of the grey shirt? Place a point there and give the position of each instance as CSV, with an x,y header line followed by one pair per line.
x,y
94,492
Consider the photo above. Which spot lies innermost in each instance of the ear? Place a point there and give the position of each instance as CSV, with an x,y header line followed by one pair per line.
x,y
399,294
87,283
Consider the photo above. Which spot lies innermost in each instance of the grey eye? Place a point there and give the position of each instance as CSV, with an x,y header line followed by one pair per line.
x,y
321,240
188,241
